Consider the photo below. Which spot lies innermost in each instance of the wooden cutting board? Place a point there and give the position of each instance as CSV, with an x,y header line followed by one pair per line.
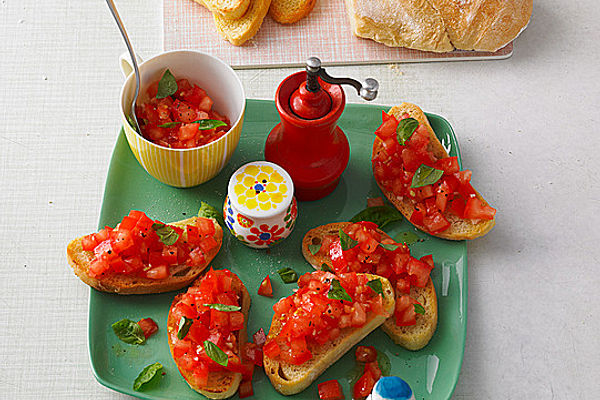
x,y
325,33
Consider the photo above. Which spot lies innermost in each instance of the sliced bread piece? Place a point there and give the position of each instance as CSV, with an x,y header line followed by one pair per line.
x,y
230,9
290,379
412,337
221,384
239,31
460,229
290,11
181,276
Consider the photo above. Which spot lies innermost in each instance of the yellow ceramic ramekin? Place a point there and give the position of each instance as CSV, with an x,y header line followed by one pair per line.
x,y
186,167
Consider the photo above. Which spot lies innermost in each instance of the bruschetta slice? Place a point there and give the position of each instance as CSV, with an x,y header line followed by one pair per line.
x,y
318,324
363,247
141,255
206,329
415,173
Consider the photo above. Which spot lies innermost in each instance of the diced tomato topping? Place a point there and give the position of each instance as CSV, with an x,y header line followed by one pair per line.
x,y
208,323
330,390
394,168
170,121
364,386
476,209
148,326
271,349
265,288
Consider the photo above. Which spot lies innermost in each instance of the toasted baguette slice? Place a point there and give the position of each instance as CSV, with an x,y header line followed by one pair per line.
x,y
290,11
413,337
290,379
230,9
221,384
239,31
460,229
181,275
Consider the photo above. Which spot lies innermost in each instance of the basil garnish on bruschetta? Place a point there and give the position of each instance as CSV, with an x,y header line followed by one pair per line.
x,y
380,215
346,241
376,285
184,327
314,248
405,129
223,307
166,233
425,175
129,331
215,353
337,292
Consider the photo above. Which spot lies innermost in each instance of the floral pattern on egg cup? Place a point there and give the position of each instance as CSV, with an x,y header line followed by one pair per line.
x,y
260,188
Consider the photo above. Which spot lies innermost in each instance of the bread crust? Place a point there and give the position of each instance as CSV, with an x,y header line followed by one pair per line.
x,y
460,229
238,31
484,25
290,379
181,276
413,337
221,384
230,9
290,11
440,25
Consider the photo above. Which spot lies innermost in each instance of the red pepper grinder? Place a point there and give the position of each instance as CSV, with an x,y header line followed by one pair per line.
x,y
307,143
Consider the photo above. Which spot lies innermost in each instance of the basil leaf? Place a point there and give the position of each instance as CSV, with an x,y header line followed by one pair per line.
x,y
407,238
132,123
405,129
314,248
167,85
337,292
377,286
223,307
384,363
208,211
147,375
346,241
380,215
185,324
166,233
288,275
215,353
325,267
129,331
425,175
389,246
169,124
205,124
419,309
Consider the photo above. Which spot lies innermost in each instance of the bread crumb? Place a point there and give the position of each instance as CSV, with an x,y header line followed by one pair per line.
x,y
396,69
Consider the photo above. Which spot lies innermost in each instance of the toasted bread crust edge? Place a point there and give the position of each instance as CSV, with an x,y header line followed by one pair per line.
x,y
402,336
79,260
216,388
349,338
406,207
278,12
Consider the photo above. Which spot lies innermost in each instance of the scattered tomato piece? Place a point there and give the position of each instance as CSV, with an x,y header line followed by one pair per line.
x,y
265,288
148,326
330,390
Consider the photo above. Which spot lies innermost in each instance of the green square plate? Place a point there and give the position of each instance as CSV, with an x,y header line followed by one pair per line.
x,y
432,372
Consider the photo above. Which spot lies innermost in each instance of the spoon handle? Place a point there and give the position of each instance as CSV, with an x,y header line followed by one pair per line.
x,y
115,13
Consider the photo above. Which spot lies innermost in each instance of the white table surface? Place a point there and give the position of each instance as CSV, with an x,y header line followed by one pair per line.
x,y
528,127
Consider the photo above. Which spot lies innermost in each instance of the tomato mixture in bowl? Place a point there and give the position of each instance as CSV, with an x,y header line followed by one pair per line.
x,y
360,247
323,306
409,169
178,114
143,247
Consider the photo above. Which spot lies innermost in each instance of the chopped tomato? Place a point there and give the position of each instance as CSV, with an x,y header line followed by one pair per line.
x,y
476,209
245,389
364,386
260,338
271,349
148,326
254,354
330,390
265,288
366,354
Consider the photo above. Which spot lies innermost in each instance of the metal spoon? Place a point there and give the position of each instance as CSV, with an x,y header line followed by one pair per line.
x,y
113,10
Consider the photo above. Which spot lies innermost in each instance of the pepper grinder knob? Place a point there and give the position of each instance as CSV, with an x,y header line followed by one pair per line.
x,y
368,90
